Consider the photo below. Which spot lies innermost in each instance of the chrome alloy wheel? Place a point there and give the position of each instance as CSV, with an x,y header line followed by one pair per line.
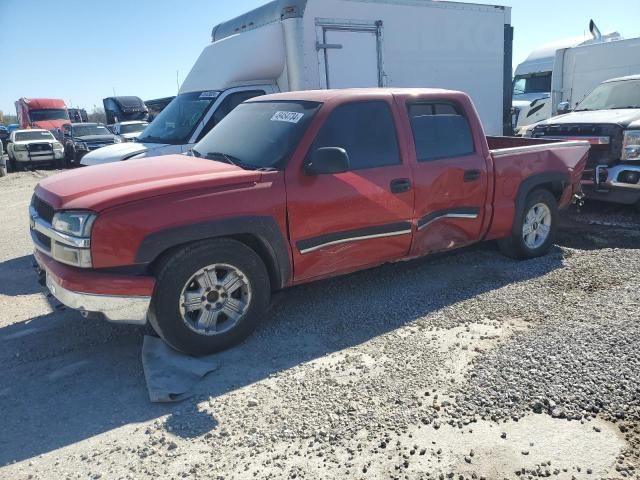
x,y
537,226
215,299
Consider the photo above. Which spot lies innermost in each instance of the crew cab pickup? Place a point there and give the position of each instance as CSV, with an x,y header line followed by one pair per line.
x,y
291,188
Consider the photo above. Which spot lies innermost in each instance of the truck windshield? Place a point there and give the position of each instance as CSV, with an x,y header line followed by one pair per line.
x,y
177,122
532,83
612,95
48,114
86,130
34,135
258,135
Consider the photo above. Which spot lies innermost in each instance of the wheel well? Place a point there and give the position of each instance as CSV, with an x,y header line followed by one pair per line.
x,y
247,239
556,188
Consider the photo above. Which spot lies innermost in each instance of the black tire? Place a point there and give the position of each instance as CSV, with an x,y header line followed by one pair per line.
x,y
68,158
13,165
175,271
515,246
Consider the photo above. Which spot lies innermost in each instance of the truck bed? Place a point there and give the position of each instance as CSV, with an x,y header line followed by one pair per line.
x,y
558,164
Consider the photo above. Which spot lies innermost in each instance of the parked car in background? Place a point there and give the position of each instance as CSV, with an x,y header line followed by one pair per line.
x,y
4,136
3,162
196,244
12,126
377,43
33,147
129,131
82,138
124,109
609,118
46,113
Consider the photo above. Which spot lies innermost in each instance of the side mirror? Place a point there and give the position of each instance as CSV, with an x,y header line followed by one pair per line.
x,y
564,107
327,161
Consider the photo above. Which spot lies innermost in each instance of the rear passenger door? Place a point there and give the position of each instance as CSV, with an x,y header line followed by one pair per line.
x,y
343,222
451,177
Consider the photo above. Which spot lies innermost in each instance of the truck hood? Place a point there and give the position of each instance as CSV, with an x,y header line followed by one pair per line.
x,y
623,117
49,124
104,186
120,151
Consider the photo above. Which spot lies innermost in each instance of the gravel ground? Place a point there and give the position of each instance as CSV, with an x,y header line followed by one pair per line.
x,y
462,366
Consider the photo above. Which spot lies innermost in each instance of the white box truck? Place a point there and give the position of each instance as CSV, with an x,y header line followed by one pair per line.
x,y
290,45
577,71
533,78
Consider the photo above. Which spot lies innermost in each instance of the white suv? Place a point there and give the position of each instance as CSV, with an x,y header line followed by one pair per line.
x,y
33,147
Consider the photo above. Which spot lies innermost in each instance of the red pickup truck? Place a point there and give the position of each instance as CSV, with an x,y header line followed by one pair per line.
x,y
291,188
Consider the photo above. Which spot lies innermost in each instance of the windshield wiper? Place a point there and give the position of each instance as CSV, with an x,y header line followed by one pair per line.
x,y
582,110
222,157
622,108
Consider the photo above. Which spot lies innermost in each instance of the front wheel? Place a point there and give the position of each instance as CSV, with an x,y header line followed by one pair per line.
x,y
209,296
535,228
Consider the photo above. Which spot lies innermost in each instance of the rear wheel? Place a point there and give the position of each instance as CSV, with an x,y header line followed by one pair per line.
x,y
535,228
209,296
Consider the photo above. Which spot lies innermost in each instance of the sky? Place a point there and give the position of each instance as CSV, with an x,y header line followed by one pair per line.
x,y
85,50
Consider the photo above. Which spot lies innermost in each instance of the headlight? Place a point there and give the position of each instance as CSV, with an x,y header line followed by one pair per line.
x,y
631,145
20,147
117,140
58,146
81,146
78,224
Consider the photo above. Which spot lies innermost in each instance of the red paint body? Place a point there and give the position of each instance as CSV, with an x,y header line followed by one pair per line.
x,y
138,198
25,105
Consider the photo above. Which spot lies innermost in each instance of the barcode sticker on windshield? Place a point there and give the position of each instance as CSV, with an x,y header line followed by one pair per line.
x,y
291,117
212,94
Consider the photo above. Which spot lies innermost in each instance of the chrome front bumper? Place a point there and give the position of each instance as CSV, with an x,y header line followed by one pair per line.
x,y
129,310
611,179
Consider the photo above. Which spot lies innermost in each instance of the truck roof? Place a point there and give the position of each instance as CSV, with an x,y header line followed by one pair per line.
x,y
42,103
278,10
324,96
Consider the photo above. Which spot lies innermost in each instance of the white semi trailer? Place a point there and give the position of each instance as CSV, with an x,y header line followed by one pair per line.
x,y
318,44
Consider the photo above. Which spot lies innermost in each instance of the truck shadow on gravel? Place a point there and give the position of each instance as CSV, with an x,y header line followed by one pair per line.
x,y
17,278
66,379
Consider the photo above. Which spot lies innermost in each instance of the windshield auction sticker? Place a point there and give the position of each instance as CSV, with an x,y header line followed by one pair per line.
x,y
291,117
212,94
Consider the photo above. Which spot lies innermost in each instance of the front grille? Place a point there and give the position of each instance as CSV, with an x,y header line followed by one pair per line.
x,y
96,145
43,240
43,209
39,147
599,154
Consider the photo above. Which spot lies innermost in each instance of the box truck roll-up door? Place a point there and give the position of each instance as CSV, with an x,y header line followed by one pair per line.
x,y
350,57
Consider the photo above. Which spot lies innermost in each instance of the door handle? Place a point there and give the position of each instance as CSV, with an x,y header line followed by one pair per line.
x,y
472,175
400,185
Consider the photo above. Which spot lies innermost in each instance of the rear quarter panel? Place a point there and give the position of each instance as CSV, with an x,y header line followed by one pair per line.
x,y
518,171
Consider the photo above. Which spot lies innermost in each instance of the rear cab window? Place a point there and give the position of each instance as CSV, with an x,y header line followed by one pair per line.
x,y
366,130
440,130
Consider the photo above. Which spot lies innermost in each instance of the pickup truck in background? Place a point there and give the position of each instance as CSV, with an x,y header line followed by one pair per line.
x,y
609,119
287,189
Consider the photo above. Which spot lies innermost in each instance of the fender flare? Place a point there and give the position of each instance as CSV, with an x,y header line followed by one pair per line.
x,y
531,183
264,230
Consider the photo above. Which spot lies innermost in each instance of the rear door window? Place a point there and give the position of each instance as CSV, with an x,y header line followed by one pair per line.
x,y
440,130
367,132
